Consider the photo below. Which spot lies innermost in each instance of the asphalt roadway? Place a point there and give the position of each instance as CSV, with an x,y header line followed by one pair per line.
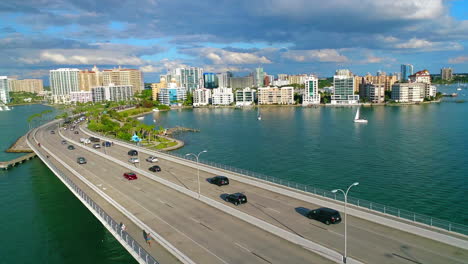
x,y
367,241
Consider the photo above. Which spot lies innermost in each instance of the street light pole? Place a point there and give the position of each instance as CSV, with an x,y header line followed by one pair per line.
x,y
198,168
346,218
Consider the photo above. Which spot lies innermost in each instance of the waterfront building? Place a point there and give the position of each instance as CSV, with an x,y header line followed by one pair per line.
x,y
374,92
119,76
190,78
421,77
112,92
63,81
201,97
343,94
275,95
210,80
246,96
258,77
222,96
81,97
173,94
406,71
89,79
297,79
407,92
311,95
156,87
223,79
387,80
358,80
27,85
4,90
280,82
240,82
446,74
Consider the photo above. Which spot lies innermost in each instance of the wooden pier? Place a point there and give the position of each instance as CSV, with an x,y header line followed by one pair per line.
x,y
8,164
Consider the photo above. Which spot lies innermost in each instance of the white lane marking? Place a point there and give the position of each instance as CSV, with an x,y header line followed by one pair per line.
x,y
336,233
195,220
271,209
244,248
104,188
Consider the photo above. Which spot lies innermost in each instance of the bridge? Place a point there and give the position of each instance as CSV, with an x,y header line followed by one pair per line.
x,y
187,228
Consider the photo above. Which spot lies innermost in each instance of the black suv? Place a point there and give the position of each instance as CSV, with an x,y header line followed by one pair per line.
x,y
81,160
71,147
219,180
155,168
133,152
94,139
236,198
325,215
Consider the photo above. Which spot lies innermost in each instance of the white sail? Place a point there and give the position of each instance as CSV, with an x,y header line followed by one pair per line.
x,y
357,115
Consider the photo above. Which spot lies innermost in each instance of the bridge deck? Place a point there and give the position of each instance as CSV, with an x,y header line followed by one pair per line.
x,y
13,162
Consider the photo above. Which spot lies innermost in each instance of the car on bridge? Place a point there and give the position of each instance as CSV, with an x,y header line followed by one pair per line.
x,y
52,132
133,153
130,176
236,198
134,160
64,142
106,144
155,168
97,146
71,147
152,159
81,160
94,139
76,132
219,180
325,215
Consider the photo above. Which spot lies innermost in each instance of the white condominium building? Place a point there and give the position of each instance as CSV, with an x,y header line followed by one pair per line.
x,y
64,81
407,92
112,92
311,95
343,82
222,96
4,89
275,95
172,95
245,97
81,97
201,97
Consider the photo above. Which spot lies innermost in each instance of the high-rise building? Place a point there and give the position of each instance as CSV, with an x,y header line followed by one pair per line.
x,y
222,96
88,80
190,78
119,76
297,79
343,82
210,80
223,79
240,82
387,80
311,95
421,77
245,97
407,92
62,82
374,92
446,73
4,90
172,95
283,77
259,77
275,95
201,97
27,85
406,71
112,92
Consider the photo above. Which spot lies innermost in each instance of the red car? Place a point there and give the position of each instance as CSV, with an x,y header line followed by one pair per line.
x,y
130,176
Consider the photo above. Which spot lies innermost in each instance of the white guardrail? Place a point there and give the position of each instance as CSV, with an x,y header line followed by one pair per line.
x,y
292,190
129,243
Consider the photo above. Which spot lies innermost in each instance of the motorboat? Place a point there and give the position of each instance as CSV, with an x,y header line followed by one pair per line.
x,y
357,119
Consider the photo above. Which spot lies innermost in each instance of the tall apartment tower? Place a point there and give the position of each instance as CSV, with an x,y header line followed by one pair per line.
x,y
311,95
406,71
259,77
343,94
121,76
190,78
63,81
4,89
223,79
446,73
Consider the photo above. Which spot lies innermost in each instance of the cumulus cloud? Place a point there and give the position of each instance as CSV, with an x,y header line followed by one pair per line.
x,y
425,45
459,59
163,65
222,56
325,55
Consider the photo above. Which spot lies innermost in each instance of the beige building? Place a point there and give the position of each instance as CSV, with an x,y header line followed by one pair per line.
x,y
407,92
358,80
121,76
297,79
275,95
27,85
88,79
446,73
374,92
156,87
386,80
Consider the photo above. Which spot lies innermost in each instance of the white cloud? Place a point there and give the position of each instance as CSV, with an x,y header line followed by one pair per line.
x,y
459,59
425,45
162,65
324,55
221,56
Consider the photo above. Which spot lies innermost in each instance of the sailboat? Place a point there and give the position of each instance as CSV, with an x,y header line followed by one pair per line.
x,y
259,117
459,88
357,119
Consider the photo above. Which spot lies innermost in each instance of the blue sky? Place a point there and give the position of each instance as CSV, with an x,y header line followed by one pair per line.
x,y
282,36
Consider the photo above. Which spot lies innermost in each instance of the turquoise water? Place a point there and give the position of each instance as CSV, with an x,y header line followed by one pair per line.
x,y
41,221
411,157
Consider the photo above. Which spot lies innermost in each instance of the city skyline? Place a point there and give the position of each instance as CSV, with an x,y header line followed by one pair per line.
x,y
285,38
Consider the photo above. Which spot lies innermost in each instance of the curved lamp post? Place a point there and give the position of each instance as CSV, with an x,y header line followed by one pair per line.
x,y
198,168
346,218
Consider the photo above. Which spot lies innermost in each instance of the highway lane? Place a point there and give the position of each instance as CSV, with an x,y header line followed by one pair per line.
x,y
202,232
388,245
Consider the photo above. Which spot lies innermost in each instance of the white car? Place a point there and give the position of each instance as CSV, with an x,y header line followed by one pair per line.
x,y
134,160
152,159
